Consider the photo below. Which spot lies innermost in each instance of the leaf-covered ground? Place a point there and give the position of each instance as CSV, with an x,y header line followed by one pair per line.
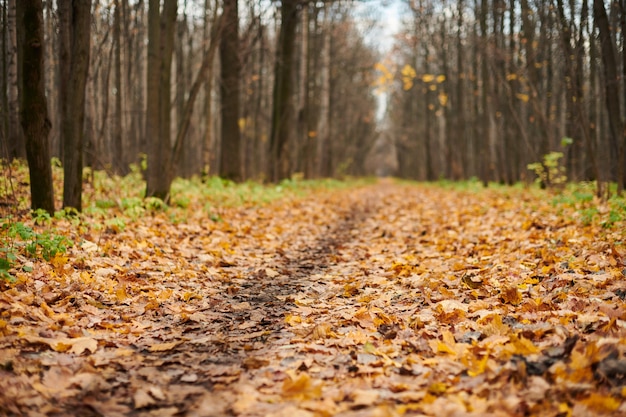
x,y
380,300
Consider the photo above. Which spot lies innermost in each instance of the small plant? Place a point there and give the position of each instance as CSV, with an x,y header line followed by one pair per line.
x,y
18,238
115,224
41,216
550,172
587,215
155,204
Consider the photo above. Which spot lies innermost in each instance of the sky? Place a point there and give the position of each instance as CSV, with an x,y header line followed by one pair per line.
x,y
387,15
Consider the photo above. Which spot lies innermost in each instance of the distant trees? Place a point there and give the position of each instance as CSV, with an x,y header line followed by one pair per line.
x,y
501,84
266,90
289,91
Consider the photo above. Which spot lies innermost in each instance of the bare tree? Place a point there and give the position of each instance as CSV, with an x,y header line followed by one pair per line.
x,y
282,107
75,65
231,161
33,105
161,26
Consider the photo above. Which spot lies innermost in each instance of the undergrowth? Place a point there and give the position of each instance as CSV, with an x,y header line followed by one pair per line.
x,y
111,203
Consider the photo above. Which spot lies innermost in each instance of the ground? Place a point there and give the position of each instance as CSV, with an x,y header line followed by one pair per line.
x,y
380,300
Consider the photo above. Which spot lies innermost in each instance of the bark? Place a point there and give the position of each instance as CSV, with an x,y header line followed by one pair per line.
x,y
181,69
33,105
303,108
230,161
17,148
323,125
73,106
611,86
158,121
282,112
119,163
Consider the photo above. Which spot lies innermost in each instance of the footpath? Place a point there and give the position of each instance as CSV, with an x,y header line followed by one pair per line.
x,y
385,300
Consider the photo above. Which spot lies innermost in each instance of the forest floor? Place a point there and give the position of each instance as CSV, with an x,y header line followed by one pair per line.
x,y
387,299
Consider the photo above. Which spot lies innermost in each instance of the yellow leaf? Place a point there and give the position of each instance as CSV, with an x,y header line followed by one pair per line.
x,y
312,133
120,292
523,97
323,331
293,320
477,366
511,295
438,388
522,346
428,78
164,295
601,403
511,77
443,99
191,296
81,344
408,74
447,345
495,326
162,347
441,78
242,122
301,387
408,71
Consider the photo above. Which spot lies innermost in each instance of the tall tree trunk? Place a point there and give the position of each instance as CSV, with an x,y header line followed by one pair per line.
x,y
119,164
158,114
323,124
15,137
611,86
303,105
207,141
33,105
282,109
73,108
230,161
181,73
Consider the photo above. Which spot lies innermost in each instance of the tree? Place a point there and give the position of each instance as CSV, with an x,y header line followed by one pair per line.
x,y
74,33
33,105
161,26
230,163
279,157
14,132
611,87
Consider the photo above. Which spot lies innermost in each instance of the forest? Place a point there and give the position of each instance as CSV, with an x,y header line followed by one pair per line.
x,y
312,208
497,90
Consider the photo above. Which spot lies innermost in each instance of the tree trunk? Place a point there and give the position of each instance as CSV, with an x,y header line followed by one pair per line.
x,y
15,138
158,120
33,105
230,161
282,111
611,86
323,121
75,66
303,105
119,164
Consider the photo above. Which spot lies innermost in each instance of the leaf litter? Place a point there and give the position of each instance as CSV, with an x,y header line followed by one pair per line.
x,y
385,300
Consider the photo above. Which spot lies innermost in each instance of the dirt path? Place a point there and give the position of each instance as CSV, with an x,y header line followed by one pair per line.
x,y
385,300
